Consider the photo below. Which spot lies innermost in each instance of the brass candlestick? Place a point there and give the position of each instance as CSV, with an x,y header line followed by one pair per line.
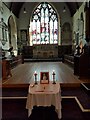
x,y
53,73
35,74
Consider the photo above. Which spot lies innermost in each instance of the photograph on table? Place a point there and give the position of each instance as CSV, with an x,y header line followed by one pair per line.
x,y
44,77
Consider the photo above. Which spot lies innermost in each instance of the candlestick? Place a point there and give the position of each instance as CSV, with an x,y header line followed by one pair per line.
x,y
35,74
53,73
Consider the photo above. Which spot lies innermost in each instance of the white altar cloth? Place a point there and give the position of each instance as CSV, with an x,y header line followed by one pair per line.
x,y
44,95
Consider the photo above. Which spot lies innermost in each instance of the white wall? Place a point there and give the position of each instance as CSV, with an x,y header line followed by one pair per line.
x,y
6,14
77,24
24,19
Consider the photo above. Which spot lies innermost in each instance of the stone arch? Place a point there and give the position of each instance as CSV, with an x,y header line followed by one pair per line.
x,y
12,28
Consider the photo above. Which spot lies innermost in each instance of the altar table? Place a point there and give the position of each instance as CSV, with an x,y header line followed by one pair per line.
x,y
44,95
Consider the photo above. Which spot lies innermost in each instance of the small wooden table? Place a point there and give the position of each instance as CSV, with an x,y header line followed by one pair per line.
x,y
44,95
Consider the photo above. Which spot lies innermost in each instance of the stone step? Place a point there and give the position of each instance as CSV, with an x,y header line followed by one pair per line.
x,y
86,87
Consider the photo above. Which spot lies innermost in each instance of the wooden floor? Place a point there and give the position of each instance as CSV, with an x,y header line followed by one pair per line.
x,y
24,73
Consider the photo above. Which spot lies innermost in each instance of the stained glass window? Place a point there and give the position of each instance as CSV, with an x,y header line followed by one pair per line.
x,y
44,25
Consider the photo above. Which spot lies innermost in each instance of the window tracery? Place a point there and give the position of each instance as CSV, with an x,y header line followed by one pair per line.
x,y
44,25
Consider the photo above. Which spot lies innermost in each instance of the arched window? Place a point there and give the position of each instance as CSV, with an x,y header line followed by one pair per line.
x,y
44,25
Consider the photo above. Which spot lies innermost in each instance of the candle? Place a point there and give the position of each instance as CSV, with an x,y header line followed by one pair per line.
x,y
53,71
35,73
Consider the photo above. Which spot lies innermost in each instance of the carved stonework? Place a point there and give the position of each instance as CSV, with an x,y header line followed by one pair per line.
x,y
66,34
3,32
45,51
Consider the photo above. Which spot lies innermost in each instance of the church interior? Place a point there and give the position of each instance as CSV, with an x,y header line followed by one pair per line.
x,y
39,41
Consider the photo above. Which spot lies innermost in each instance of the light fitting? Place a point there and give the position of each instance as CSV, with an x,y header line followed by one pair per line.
x,y
64,9
24,11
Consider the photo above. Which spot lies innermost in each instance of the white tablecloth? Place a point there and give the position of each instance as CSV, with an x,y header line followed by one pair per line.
x,y
44,95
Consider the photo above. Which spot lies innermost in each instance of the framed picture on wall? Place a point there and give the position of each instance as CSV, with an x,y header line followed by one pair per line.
x,y
77,38
23,35
44,77
3,32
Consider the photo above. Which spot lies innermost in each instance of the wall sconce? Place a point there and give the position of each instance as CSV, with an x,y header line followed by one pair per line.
x,y
64,9
24,11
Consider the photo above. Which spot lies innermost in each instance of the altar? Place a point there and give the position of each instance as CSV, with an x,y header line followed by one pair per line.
x,y
44,95
45,51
